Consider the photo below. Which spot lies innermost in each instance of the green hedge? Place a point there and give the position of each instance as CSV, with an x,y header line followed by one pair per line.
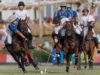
x,y
39,55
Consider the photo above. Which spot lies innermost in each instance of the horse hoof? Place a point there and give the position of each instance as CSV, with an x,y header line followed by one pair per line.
x,y
24,71
78,68
85,67
90,67
36,68
67,69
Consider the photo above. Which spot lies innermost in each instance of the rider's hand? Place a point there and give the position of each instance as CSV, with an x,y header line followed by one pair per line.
x,y
25,39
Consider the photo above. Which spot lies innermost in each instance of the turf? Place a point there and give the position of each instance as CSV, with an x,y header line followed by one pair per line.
x,y
50,70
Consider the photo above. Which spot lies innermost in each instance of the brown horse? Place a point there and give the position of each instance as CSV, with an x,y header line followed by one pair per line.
x,y
71,45
89,45
23,28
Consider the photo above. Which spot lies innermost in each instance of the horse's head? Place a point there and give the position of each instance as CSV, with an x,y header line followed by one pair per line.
x,y
90,32
91,24
69,28
22,22
22,25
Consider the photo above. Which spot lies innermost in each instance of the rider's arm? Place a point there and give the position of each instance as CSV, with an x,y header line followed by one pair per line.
x,y
20,34
14,29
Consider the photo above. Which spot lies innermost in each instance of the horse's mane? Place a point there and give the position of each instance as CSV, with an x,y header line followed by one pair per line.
x,y
23,28
90,32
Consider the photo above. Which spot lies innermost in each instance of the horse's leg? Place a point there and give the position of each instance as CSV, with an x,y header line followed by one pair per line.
x,y
77,61
67,62
21,65
16,58
10,50
85,58
89,58
28,52
23,59
32,62
92,55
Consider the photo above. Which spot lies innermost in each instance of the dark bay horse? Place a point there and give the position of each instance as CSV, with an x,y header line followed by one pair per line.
x,y
71,45
15,51
19,47
23,28
89,46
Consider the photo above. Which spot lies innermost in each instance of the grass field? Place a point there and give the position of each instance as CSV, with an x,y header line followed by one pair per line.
x,y
50,70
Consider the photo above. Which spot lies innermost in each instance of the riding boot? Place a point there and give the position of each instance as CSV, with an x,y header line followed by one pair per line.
x,y
96,42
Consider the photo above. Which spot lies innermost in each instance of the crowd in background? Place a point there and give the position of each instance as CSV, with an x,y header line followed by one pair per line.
x,y
64,11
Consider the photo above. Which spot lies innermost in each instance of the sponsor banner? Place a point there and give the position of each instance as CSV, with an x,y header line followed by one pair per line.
x,y
7,58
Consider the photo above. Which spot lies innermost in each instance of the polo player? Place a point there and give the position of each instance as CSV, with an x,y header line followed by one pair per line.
x,y
22,14
84,22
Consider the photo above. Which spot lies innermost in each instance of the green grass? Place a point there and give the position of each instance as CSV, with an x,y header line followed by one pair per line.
x,y
50,70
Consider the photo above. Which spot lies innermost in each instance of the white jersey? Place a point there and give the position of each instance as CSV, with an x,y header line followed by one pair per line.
x,y
77,28
84,22
9,36
86,19
22,14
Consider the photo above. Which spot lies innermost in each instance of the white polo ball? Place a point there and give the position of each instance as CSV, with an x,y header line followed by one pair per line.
x,y
41,72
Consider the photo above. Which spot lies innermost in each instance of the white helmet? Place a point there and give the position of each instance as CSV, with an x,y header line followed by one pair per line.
x,y
12,18
63,20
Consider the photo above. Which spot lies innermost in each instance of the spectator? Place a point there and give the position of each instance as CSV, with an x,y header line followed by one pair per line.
x,y
98,36
93,12
3,33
